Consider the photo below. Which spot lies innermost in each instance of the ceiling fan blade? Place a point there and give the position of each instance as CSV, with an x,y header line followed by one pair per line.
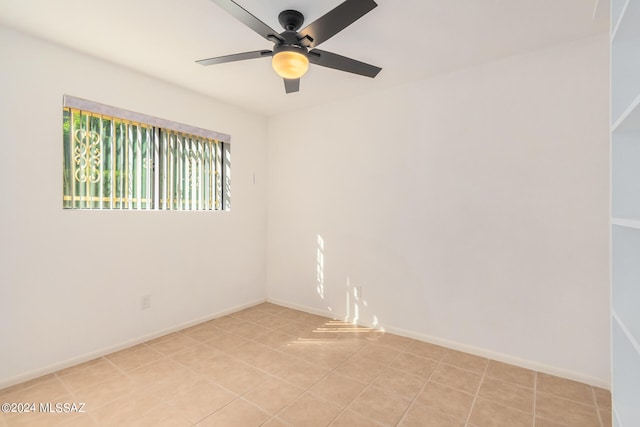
x,y
235,57
342,63
336,20
291,85
249,20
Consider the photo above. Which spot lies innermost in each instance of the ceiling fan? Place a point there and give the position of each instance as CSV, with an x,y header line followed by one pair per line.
x,y
293,50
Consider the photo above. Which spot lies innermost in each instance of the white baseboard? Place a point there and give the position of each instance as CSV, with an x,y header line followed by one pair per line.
x,y
500,357
117,347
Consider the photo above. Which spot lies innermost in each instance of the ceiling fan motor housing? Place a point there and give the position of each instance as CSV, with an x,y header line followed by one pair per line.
x,y
291,20
291,43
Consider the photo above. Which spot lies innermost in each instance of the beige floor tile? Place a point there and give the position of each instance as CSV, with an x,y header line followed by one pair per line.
x,y
201,402
125,410
171,343
227,321
219,366
489,413
276,422
319,335
507,394
571,413
428,350
174,386
300,348
327,356
347,330
511,373
273,394
157,372
399,382
81,420
249,331
447,400
274,322
415,365
379,353
241,378
543,422
24,385
348,345
360,368
36,420
395,341
565,388
457,378
603,398
133,358
251,315
309,318
99,395
291,314
79,367
421,416
337,388
382,406
90,375
309,411
275,339
270,308
465,361
196,356
162,416
352,419
248,349
226,341
303,374
297,328
262,357
43,390
202,334
237,413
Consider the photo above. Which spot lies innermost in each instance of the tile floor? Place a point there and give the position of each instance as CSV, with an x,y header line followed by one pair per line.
x,y
273,366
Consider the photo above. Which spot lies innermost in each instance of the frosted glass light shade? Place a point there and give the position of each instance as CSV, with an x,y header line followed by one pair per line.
x,y
290,65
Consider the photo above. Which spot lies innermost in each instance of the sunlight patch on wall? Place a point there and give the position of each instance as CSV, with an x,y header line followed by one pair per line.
x,y
320,267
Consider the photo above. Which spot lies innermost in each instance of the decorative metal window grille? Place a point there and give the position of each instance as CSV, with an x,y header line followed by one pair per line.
x,y
118,159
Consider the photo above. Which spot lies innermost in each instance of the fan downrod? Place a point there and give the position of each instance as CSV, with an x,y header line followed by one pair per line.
x,y
291,20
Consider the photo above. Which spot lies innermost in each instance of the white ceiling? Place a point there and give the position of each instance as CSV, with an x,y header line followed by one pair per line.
x,y
409,39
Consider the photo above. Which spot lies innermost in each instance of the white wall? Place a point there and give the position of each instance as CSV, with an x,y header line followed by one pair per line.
x,y
71,281
471,208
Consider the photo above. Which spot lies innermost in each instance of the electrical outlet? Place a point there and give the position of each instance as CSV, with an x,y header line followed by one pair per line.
x,y
145,302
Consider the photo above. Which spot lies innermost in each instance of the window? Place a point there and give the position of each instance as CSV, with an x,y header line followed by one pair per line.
x,y
118,159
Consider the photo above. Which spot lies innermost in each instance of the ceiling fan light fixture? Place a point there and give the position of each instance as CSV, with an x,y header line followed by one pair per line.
x,y
293,48
290,64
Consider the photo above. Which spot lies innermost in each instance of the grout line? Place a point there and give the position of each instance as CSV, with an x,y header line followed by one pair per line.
x,y
415,398
370,384
595,402
75,399
475,397
306,390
